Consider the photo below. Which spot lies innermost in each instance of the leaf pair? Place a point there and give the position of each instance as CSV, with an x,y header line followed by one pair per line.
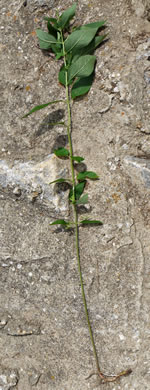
x,y
68,224
87,175
79,188
76,195
63,152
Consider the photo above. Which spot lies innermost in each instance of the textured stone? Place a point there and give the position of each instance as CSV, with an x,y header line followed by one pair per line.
x,y
40,286
8,378
34,377
141,166
21,328
141,7
34,180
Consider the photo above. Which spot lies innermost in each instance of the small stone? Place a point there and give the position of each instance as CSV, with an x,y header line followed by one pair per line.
x,y
3,322
105,102
34,377
17,191
19,266
47,377
122,337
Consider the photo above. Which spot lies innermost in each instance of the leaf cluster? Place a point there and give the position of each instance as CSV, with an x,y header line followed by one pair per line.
x,y
77,48
76,195
77,70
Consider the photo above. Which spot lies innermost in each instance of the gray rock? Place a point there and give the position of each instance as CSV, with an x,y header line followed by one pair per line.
x,y
34,180
8,378
141,166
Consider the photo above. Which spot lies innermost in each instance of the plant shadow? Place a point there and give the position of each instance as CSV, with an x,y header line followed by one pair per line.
x,y
83,209
60,142
51,120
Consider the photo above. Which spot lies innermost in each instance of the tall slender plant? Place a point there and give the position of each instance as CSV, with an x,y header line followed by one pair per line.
x,y
75,45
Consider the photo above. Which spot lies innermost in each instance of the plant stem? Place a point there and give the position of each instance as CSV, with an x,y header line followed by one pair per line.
x,y
82,286
75,213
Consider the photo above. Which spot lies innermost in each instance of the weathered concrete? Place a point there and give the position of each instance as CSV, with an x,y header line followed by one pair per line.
x,y
44,341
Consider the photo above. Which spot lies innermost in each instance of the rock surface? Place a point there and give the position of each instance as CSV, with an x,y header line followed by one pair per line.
x,y
43,332
8,378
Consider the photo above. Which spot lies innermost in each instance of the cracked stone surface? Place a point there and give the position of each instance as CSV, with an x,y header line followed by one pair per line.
x,y
44,340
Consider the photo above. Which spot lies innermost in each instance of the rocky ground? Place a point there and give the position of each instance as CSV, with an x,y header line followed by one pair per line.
x,y
43,332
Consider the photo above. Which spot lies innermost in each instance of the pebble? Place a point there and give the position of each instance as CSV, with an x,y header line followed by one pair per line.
x,y
33,377
17,191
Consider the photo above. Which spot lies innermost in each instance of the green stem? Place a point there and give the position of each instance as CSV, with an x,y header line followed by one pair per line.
x,y
75,214
82,286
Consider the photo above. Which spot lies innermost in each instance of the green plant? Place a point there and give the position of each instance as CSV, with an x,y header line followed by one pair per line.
x,y
76,74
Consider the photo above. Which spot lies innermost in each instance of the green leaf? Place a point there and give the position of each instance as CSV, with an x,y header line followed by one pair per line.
x,y
37,108
87,175
59,55
83,67
79,188
62,76
90,48
83,199
52,30
52,20
59,222
69,59
94,24
54,49
96,41
45,39
62,180
61,152
91,221
77,158
82,86
57,47
66,16
79,39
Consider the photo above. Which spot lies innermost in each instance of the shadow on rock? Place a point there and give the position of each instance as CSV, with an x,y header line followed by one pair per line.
x,y
51,120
